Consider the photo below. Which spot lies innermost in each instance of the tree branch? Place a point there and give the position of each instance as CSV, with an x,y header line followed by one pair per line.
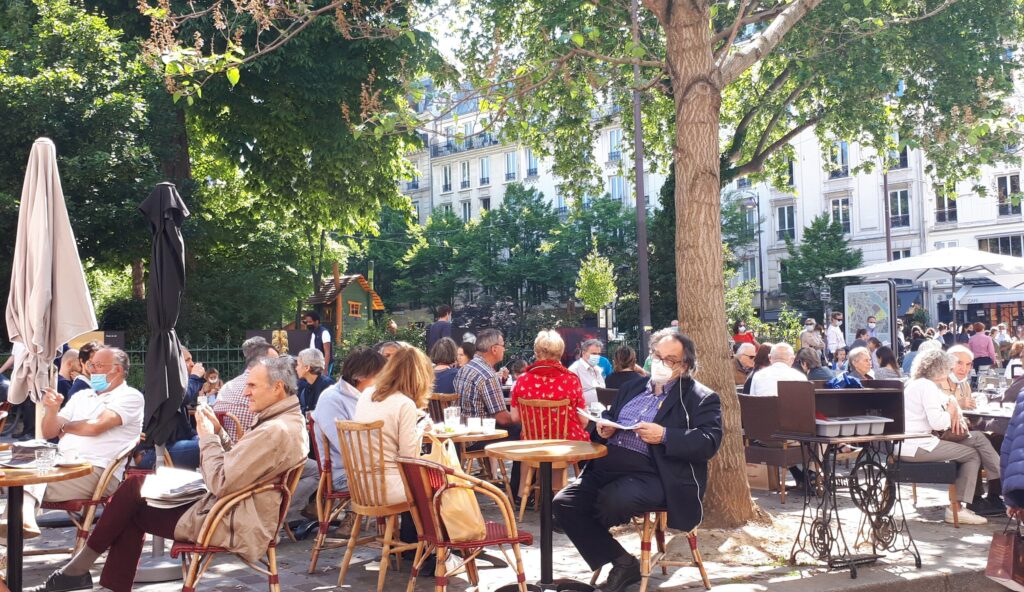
x,y
750,19
724,49
778,115
765,42
740,133
756,163
614,60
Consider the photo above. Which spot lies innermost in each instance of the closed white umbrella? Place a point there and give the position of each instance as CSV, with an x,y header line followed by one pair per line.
x,y
49,302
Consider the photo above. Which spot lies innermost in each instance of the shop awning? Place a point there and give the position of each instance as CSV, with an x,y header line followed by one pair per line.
x,y
987,295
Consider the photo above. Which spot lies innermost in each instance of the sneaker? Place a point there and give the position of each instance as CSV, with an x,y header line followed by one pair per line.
x,y
966,516
622,576
58,582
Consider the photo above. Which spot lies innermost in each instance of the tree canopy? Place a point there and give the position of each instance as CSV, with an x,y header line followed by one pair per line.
x,y
823,250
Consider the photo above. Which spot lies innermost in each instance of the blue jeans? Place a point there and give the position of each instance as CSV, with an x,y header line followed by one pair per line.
x,y
184,454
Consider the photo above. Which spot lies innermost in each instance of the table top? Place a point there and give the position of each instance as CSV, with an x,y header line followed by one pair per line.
x,y
848,439
546,451
990,412
464,437
20,477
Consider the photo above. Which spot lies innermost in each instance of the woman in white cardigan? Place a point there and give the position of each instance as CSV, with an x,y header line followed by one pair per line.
x,y
927,409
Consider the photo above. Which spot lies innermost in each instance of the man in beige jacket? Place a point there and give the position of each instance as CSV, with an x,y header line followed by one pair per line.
x,y
276,444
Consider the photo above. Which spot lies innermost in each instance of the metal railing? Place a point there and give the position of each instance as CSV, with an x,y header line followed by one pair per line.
x,y
468,143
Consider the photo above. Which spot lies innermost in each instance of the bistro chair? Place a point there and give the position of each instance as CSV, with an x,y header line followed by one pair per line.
x,y
438,402
196,557
226,417
654,526
759,417
543,419
329,503
82,512
426,483
362,452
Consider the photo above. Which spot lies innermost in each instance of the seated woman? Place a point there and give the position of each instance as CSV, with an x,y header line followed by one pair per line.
x,y
927,410
888,368
808,361
624,368
309,365
663,463
275,444
445,355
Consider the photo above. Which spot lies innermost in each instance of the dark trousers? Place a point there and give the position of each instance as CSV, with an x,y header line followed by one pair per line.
x,y
122,530
610,492
513,434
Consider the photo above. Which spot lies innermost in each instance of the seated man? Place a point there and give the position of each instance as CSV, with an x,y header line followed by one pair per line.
x,y
231,397
97,424
183,443
765,382
275,444
680,429
70,369
81,383
743,362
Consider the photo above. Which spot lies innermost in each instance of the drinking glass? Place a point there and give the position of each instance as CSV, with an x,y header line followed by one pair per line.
x,y
595,408
45,460
473,423
452,417
489,425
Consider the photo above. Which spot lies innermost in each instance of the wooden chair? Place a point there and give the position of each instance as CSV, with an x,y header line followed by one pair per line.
x,y
196,557
83,511
543,419
426,483
225,417
759,417
654,526
5,412
329,503
362,452
438,402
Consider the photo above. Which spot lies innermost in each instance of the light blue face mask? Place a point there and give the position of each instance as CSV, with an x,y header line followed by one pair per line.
x,y
594,359
98,382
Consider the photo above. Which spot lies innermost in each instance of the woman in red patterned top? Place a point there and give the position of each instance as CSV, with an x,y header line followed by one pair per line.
x,y
548,379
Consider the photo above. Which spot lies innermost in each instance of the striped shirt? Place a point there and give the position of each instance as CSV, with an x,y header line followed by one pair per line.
x,y
642,407
231,400
479,390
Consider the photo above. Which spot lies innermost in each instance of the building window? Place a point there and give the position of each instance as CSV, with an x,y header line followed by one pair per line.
x,y
355,309
449,137
841,213
898,159
416,212
782,276
1012,244
898,254
467,211
560,207
531,163
446,178
786,217
743,183
414,183
511,166
467,131
485,170
790,173
446,208
899,208
614,144
464,183
839,160
617,188
945,206
485,204
748,271
1008,187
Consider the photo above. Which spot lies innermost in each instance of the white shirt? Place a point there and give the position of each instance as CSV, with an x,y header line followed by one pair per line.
x,y
834,338
924,410
591,378
1010,372
100,450
765,382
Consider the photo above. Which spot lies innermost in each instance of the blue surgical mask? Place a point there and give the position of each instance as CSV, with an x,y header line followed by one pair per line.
x,y
594,359
98,382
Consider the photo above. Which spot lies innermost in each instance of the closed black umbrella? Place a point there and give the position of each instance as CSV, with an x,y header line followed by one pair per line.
x,y
166,377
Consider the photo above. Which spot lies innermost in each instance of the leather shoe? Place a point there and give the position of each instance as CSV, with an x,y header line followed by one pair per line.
x,y
27,532
58,582
622,575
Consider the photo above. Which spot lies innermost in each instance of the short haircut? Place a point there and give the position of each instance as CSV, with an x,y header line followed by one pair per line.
x,y
836,315
468,349
362,363
487,339
1016,349
960,349
590,343
312,314
385,344
281,370
929,345
746,348
87,350
313,358
941,326
932,365
71,354
781,352
120,358
689,348
858,352
861,333
409,373
548,345
518,367
875,342
444,351
979,327
443,310
255,348
625,359
809,356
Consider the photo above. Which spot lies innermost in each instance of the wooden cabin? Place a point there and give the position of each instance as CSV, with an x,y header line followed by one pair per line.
x,y
345,303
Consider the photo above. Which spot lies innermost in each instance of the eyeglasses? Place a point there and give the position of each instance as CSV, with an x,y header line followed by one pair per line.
x,y
670,362
93,366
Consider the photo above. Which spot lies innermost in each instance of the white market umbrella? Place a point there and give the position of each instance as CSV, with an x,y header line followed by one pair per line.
x,y
951,262
49,302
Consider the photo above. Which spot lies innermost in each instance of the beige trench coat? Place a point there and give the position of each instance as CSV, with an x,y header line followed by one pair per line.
x,y
276,443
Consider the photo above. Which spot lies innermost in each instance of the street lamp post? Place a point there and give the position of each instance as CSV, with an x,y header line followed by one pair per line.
x,y
753,202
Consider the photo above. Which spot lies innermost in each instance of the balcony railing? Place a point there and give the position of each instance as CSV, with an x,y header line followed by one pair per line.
x,y
614,155
531,172
473,142
485,180
1008,209
899,221
839,173
446,187
464,184
510,176
782,234
945,215
412,185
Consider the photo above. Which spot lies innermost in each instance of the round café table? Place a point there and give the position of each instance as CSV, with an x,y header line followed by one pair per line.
x,y
15,481
463,437
544,453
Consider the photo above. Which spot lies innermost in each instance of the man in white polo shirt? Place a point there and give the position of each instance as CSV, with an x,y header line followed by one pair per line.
x,y
765,382
97,424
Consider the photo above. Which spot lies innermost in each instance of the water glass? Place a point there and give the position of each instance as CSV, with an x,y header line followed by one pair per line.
x,y
452,417
595,408
46,458
489,425
473,423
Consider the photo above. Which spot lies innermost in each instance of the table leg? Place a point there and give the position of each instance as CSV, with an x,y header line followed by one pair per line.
x,y
546,526
15,542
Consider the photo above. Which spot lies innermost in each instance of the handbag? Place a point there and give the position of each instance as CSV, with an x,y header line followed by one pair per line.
x,y
460,512
1006,558
950,435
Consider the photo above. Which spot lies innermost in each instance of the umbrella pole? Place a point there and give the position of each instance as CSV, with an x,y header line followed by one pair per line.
x,y
157,566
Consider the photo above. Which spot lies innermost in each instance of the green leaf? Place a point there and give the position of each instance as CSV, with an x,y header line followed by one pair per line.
x,y
578,39
233,76
176,96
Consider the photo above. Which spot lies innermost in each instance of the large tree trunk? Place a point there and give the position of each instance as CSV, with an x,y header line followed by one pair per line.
x,y
700,287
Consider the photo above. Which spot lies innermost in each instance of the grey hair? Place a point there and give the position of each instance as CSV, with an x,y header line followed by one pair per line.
x,y
745,347
487,339
931,364
69,355
120,358
960,349
781,352
928,345
809,356
281,370
858,352
313,358
689,348
590,343
255,348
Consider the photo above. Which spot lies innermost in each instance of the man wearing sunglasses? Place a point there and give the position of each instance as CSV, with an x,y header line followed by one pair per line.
x,y
834,338
743,362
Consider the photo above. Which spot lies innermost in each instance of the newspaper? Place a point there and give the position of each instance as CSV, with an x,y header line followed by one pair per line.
x,y
602,421
171,488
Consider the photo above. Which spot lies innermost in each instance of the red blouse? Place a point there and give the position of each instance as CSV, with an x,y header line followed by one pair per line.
x,y
747,337
549,379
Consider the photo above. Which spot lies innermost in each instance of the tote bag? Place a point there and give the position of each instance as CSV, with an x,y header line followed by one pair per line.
x,y
1006,558
460,512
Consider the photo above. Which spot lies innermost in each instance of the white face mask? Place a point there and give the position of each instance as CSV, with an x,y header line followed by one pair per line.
x,y
955,380
660,373
872,325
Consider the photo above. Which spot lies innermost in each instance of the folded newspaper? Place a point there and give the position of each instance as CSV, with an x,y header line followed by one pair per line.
x,y
602,421
171,488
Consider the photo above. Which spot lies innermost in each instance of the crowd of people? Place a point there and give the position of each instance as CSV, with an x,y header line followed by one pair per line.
x,y
679,429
